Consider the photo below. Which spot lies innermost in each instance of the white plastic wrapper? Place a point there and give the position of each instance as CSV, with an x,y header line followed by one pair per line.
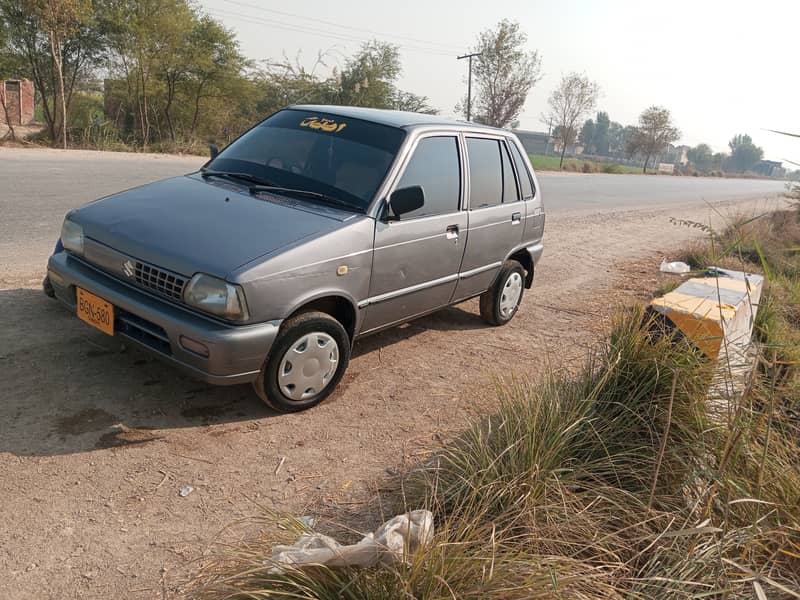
x,y
388,545
674,267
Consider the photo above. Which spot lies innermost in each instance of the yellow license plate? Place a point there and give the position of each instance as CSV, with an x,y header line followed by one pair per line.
x,y
96,311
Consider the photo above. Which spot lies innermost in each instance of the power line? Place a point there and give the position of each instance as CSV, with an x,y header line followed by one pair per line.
x,y
304,29
429,43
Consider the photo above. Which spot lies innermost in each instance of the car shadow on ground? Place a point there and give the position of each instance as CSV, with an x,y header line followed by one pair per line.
x,y
452,318
66,388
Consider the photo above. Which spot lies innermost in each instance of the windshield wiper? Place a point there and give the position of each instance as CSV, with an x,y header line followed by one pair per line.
x,y
276,189
235,175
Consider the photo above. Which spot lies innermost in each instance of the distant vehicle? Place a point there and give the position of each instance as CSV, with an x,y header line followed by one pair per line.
x,y
319,225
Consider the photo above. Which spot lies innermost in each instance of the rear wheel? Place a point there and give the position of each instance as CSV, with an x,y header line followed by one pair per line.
x,y
305,364
500,302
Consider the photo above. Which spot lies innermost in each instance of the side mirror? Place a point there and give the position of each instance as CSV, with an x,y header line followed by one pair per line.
x,y
213,149
406,200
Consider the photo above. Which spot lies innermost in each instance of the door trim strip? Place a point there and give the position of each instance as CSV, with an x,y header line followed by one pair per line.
x,y
427,284
408,290
479,270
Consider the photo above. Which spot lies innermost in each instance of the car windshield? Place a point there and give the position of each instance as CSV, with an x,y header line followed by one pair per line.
x,y
335,156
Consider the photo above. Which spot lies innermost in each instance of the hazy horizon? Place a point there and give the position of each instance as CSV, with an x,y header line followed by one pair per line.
x,y
721,68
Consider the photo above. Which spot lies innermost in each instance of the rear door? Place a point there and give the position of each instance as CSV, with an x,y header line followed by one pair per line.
x,y
417,257
496,214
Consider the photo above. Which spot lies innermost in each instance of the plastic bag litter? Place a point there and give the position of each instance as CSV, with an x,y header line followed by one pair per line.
x,y
674,267
386,546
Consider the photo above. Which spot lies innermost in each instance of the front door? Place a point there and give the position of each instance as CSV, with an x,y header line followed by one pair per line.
x,y
417,255
496,214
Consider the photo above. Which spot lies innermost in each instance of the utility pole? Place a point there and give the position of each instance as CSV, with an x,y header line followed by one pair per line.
x,y
469,82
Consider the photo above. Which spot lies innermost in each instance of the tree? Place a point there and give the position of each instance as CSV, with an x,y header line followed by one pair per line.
x,y
10,66
587,133
504,74
654,133
744,153
216,65
701,156
617,138
602,126
368,77
412,103
61,19
79,50
575,96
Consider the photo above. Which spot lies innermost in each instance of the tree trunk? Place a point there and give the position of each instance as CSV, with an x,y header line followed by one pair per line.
x,y
646,160
55,51
563,152
144,117
168,107
4,102
196,115
39,84
11,133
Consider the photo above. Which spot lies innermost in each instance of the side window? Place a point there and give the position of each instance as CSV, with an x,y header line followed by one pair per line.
x,y
435,167
524,176
485,173
510,192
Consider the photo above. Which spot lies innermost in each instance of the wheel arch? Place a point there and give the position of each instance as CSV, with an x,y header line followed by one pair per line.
x,y
340,307
523,256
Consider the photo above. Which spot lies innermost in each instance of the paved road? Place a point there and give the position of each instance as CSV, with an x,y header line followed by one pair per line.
x,y
40,186
594,192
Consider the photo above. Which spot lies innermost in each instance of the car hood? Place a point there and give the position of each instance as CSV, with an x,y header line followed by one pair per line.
x,y
187,225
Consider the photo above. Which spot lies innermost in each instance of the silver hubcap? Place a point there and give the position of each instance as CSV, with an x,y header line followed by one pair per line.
x,y
512,291
308,366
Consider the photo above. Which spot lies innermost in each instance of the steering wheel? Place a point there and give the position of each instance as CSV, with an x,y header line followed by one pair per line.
x,y
276,162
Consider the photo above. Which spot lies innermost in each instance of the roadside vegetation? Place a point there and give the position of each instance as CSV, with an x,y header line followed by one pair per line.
x,y
168,76
619,481
544,162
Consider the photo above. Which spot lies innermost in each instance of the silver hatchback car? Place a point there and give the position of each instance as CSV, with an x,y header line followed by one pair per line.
x,y
319,225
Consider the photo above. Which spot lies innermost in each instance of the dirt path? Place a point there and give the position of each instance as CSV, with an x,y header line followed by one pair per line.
x,y
95,442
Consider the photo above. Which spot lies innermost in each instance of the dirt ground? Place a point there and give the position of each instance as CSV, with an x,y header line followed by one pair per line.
x,y
97,439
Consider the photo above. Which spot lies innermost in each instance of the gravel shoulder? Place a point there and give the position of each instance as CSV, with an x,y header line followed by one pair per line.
x,y
96,439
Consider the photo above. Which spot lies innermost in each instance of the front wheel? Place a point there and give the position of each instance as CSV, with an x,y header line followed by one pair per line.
x,y
305,364
500,302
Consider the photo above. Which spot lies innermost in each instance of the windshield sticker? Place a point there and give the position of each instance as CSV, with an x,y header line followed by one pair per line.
x,y
324,124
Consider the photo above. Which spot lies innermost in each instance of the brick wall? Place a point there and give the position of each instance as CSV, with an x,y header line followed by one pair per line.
x,y
19,97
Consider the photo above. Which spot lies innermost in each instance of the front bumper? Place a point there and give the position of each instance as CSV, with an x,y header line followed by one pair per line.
x,y
235,352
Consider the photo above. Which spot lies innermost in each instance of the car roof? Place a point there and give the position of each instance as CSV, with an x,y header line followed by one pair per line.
x,y
393,118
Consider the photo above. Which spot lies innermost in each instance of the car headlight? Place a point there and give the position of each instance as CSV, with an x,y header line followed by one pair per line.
x,y
216,296
72,236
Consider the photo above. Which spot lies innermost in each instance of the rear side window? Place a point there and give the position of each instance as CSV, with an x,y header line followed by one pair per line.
x,y
510,193
485,173
436,168
525,181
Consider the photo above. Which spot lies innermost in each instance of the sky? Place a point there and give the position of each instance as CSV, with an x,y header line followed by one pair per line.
x,y
720,67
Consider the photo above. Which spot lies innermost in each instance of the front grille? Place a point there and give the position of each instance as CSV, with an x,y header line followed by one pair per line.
x,y
161,281
143,331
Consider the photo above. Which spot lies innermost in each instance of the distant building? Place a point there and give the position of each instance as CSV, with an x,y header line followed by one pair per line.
x,y
770,168
18,98
534,142
677,155
573,149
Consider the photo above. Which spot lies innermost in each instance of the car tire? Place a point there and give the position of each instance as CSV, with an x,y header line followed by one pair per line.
x,y
47,287
300,372
500,302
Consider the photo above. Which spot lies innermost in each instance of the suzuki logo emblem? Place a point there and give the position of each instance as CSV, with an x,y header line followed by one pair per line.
x,y
128,268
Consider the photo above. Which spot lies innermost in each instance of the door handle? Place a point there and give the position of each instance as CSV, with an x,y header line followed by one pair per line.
x,y
452,232
516,218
